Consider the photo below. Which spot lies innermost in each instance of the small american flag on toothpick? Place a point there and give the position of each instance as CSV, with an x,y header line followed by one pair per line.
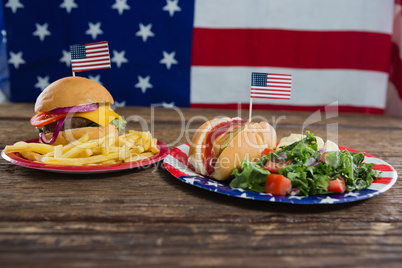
x,y
270,86
91,56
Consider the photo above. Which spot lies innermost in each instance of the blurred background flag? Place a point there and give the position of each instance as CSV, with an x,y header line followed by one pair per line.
x,y
91,56
200,53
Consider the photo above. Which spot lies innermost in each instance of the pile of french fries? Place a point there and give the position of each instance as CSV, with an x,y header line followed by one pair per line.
x,y
111,149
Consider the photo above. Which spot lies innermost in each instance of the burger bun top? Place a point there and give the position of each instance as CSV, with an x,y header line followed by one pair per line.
x,y
72,91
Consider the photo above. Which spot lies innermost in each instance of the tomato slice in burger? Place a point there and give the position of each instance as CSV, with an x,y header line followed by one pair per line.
x,y
44,118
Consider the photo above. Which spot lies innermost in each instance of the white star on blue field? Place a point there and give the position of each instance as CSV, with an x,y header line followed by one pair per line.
x,y
149,46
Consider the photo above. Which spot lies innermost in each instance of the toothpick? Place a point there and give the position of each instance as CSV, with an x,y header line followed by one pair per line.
x,y
251,109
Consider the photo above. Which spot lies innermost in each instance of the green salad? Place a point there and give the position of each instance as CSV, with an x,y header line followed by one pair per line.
x,y
302,169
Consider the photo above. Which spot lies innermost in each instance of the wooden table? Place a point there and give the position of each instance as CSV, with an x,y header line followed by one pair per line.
x,y
146,217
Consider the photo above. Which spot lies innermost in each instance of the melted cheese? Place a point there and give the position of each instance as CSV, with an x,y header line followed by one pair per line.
x,y
102,116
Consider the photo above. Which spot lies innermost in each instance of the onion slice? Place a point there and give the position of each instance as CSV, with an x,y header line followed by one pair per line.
x,y
55,132
311,161
76,109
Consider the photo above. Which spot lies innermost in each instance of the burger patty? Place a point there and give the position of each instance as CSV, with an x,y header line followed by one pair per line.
x,y
75,122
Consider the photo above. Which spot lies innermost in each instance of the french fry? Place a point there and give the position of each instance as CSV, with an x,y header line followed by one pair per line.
x,y
137,150
80,161
58,151
85,153
109,150
31,155
76,150
135,157
154,146
24,146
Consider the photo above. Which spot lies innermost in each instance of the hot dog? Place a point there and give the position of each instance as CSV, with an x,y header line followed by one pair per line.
x,y
219,145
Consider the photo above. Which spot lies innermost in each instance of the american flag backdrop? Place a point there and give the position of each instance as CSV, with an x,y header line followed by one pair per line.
x,y
201,53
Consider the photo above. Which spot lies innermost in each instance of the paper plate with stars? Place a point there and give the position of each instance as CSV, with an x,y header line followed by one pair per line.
x,y
177,164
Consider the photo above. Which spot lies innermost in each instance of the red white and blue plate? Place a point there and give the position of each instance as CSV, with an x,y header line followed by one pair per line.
x,y
177,164
17,159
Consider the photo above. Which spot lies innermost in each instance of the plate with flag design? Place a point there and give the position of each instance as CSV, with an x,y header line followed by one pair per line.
x,y
177,164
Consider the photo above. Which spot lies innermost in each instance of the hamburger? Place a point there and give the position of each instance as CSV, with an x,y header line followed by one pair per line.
x,y
219,145
73,106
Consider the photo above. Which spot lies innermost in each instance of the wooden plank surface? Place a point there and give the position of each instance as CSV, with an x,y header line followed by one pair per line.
x,y
146,217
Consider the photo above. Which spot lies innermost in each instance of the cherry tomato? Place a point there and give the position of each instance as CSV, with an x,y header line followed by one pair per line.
x,y
267,151
337,185
277,184
322,157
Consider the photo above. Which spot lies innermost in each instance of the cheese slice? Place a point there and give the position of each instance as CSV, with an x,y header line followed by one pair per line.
x,y
102,116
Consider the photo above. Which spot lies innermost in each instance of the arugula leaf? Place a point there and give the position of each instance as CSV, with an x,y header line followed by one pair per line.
x,y
252,176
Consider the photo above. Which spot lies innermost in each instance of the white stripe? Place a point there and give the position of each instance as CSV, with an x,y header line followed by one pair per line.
x,y
387,174
279,77
92,50
103,54
279,80
278,86
270,96
179,165
378,187
360,15
104,45
394,102
275,88
96,58
90,67
374,160
310,87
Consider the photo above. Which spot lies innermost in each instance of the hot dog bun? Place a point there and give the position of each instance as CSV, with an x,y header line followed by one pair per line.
x,y
244,140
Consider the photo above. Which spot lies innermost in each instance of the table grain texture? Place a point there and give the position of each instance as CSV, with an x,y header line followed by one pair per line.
x,y
148,218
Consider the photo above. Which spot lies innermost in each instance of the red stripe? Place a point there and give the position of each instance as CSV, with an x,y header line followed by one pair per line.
x,y
273,79
175,172
268,94
272,98
96,43
281,48
277,82
88,69
289,75
266,89
89,64
88,61
272,85
182,157
383,168
383,180
395,74
278,107
92,51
